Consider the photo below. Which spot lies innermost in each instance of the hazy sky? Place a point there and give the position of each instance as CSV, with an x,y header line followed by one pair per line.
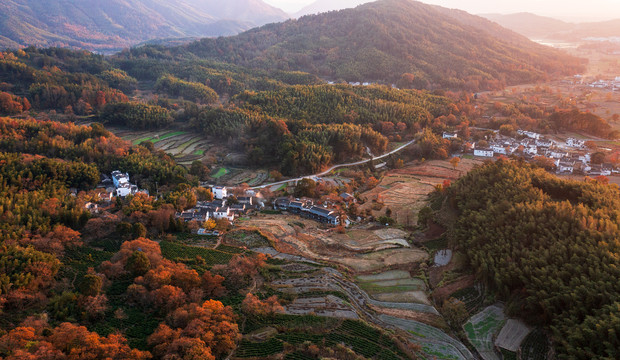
x,y
565,9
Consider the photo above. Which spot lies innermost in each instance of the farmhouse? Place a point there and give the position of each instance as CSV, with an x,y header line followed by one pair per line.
x,y
483,152
123,186
220,192
499,149
119,178
306,209
572,142
450,135
565,167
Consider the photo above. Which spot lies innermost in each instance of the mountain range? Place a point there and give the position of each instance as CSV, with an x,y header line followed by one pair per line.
x,y
541,27
110,25
381,41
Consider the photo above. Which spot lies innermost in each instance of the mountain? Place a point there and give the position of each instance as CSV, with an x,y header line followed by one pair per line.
x,y
384,40
256,12
530,25
321,6
114,24
540,27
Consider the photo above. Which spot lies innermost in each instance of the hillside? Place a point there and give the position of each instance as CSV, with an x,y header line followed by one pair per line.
x,y
115,24
384,40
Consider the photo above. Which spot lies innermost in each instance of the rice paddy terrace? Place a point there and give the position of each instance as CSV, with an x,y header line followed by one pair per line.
x,y
183,145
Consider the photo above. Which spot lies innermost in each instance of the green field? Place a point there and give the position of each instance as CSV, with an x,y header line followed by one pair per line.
x,y
220,172
482,327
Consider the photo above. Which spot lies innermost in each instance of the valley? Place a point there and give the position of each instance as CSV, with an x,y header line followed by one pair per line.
x,y
393,181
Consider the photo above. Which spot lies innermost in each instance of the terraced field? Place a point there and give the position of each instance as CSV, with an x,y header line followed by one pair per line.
x,y
394,286
184,146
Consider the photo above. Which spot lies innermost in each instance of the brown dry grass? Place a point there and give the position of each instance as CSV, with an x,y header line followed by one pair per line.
x,y
405,190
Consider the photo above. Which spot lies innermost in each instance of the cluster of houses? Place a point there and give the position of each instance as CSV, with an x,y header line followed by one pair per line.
x,y
606,84
220,208
307,209
568,157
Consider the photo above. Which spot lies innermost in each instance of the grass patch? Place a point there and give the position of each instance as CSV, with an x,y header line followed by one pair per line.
x,y
220,172
187,254
199,152
436,244
169,135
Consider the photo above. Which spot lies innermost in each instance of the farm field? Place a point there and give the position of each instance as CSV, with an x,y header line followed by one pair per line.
x,y
405,190
435,342
512,335
481,329
535,346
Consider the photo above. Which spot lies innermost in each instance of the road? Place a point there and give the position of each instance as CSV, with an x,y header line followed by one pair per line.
x,y
361,162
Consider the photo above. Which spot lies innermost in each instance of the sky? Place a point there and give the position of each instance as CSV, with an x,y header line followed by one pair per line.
x,y
570,10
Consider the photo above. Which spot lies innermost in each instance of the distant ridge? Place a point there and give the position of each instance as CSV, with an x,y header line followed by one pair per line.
x,y
321,6
115,24
535,26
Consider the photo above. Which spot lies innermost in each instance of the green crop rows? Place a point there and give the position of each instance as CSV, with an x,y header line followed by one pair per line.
x,y
535,346
173,251
297,355
249,349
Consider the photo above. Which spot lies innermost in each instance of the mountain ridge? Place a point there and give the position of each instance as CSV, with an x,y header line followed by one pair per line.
x,y
116,24
380,41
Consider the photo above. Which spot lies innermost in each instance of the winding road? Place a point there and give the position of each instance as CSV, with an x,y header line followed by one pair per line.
x,y
361,162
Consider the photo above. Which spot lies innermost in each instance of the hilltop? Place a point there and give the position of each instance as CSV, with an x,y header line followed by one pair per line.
x,y
384,40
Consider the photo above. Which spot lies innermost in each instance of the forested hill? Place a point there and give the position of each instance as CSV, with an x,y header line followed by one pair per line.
x,y
547,246
115,24
384,40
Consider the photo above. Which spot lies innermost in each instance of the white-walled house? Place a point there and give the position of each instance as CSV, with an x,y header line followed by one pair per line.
x,y
483,152
119,178
449,135
220,192
572,142
497,149
565,167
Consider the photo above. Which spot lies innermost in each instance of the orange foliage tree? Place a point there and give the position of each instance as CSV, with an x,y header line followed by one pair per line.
x,y
208,330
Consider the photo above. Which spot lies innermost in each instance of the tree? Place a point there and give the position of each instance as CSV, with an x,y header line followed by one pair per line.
x,y
252,305
91,285
138,263
305,187
455,162
455,312
199,170
139,231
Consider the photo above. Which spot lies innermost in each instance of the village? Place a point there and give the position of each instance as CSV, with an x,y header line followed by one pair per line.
x,y
569,157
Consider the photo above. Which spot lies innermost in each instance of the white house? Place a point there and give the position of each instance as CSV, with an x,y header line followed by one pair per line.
x,y
123,191
483,152
572,142
499,149
532,150
220,192
450,135
544,142
557,154
119,178
565,167
529,134
223,213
